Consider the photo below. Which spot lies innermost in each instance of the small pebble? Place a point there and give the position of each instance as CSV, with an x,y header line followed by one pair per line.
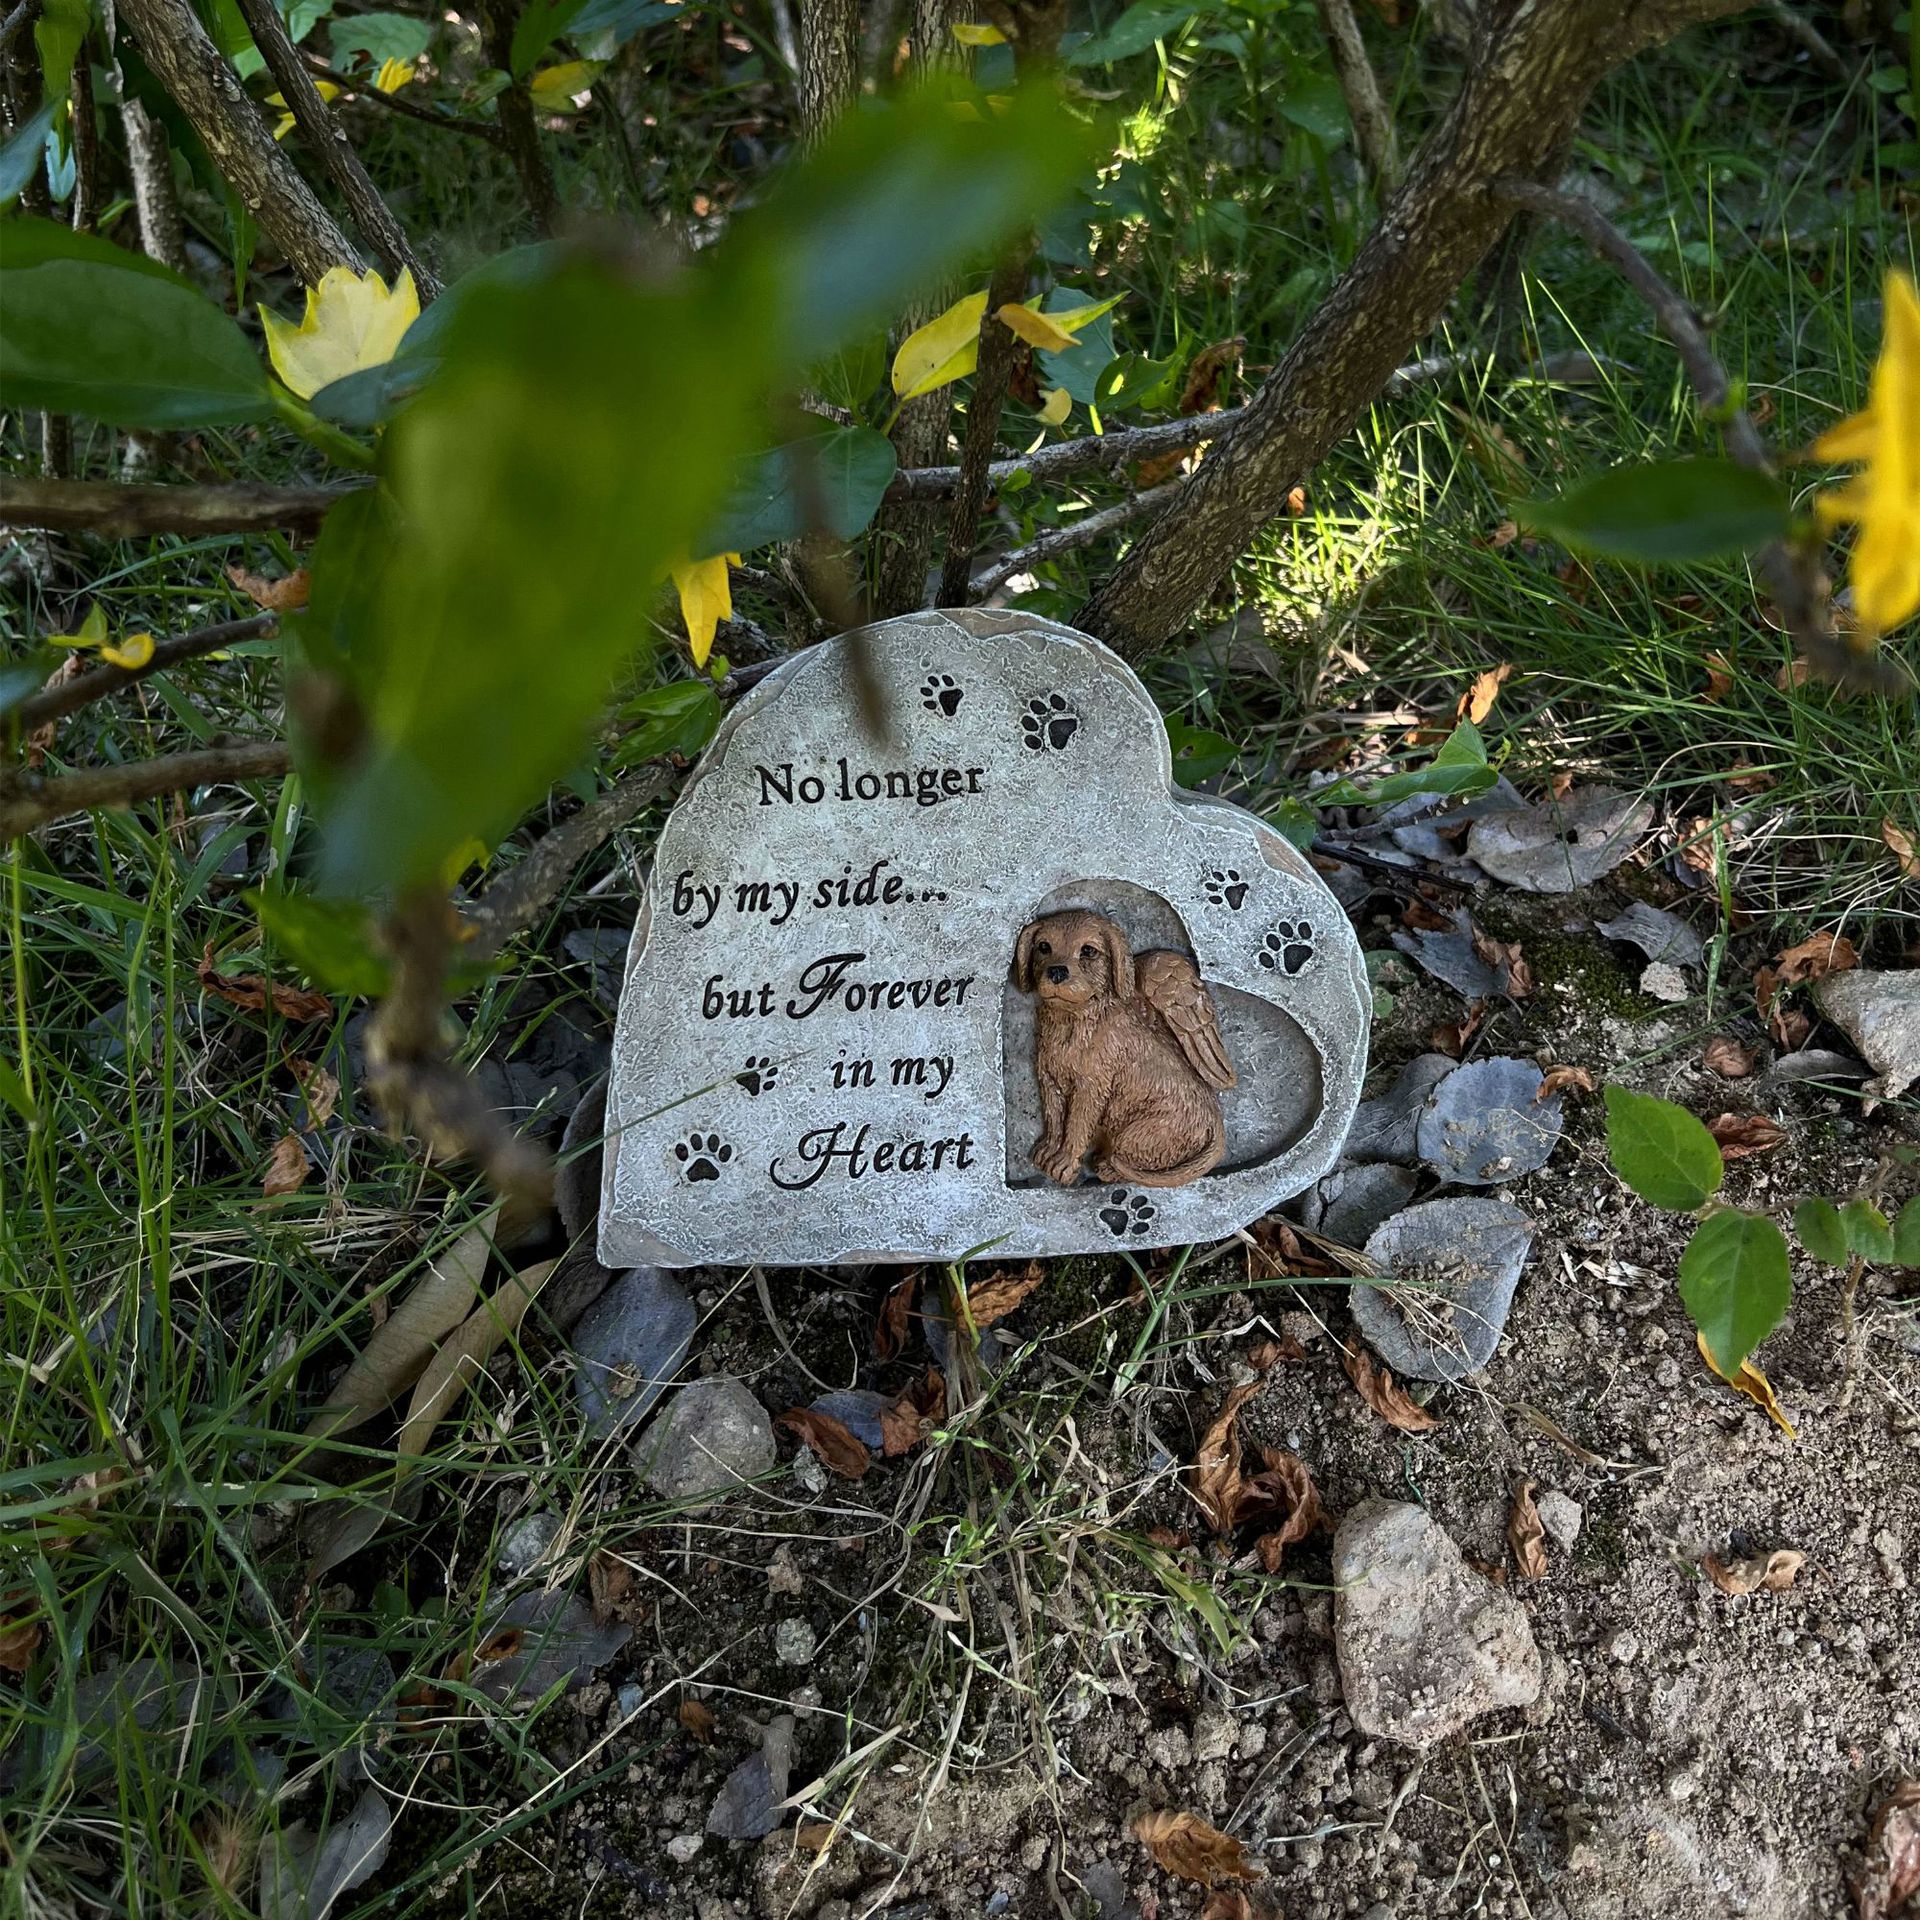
x,y
794,1642
1624,1646
683,1846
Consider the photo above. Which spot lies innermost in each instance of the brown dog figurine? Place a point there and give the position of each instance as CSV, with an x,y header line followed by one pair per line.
x,y
1127,1053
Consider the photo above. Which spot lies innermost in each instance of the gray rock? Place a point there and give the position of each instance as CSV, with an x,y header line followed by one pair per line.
x,y
1384,1128
524,1544
1880,1014
576,1178
1486,1124
1658,934
1425,1644
748,1805
794,1643
1661,981
1450,1268
712,1436
821,1054
1561,1515
628,1346
1561,844
1352,1201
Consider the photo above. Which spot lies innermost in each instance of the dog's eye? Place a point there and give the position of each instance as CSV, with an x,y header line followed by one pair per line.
x,y
1043,947
1089,953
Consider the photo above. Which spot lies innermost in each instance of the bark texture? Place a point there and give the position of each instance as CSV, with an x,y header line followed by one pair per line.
x,y
519,131
149,160
1373,130
1534,65
131,512
208,91
829,62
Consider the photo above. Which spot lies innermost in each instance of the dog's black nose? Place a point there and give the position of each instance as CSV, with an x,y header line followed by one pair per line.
x,y
1057,975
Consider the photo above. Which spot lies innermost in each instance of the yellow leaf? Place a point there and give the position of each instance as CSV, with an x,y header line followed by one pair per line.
x,y
1900,845
1059,405
975,33
93,630
1072,319
464,1352
132,653
945,349
284,125
552,89
1036,329
352,322
706,598
1753,1383
393,75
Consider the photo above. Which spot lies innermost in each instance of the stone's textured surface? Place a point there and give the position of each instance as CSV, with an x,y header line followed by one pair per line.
x,y
822,1055
1658,934
712,1436
1880,1014
628,1346
1660,980
1561,1515
1384,1127
1486,1123
524,1544
1561,844
1425,1644
794,1643
1352,1201
1452,1266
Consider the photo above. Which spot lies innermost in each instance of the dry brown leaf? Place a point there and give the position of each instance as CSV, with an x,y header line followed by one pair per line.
x,y
1185,1845
1504,535
1289,1476
609,1579
1565,1080
1200,393
1815,958
399,1351
1742,1135
1724,1055
1525,1535
1744,1573
1452,1037
1296,502
1748,1379
890,1332
1745,777
40,740
321,1089
1421,914
1719,678
1264,1355
1504,955
1900,845
250,991
1229,1903
1477,702
1378,1388
1889,1884
285,595
838,1450
998,1294
815,1836
1559,785
1277,1251
904,1424
465,1351
20,1639
1218,1483
697,1718
288,1169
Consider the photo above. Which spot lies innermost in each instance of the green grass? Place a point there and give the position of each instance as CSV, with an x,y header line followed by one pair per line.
x,y
158,1326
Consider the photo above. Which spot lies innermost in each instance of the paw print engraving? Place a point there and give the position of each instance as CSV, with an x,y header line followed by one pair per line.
x,y
758,1076
701,1156
939,694
1048,723
1129,1213
1225,888
1288,947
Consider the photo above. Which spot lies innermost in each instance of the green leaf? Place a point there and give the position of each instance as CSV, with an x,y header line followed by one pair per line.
x,y
1664,510
380,36
679,719
1080,369
848,378
1316,105
1661,1151
1135,381
20,157
1460,767
89,328
541,23
330,941
13,1090
624,18
844,470
1143,23
1735,1283
58,35
1295,821
1906,1235
21,679
1868,1232
1821,1231
1198,754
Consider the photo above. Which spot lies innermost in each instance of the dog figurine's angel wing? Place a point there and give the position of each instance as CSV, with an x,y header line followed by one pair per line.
x,y
1171,985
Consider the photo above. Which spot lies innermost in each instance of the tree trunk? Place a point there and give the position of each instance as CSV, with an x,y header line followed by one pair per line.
x,y
1535,63
195,72
518,128
829,62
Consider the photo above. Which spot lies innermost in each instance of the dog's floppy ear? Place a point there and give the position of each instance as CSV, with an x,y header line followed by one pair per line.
x,y
1023,957
1119,958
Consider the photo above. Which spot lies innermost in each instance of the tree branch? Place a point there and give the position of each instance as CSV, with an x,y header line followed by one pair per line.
x,y
208,91
150,161
1373,130
28,801
1535,67
519,131
369,95
1793,574
330,146
71,695
116,512
1078,533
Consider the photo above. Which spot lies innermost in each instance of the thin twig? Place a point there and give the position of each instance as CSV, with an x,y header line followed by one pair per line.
x,y
18,18
28,801
1078,533
1799,27
133,512
71,695
366,91
1792,572
1373,130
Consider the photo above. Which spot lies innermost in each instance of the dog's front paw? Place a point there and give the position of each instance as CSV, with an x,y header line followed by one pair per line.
x,y
1056,1163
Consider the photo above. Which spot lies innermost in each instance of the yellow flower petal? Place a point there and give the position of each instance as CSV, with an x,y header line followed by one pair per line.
x,y
1059,405
393,75
1036,329
132,653
1848,439
974,33
706,598
553,88
352,322
283,126
946,348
